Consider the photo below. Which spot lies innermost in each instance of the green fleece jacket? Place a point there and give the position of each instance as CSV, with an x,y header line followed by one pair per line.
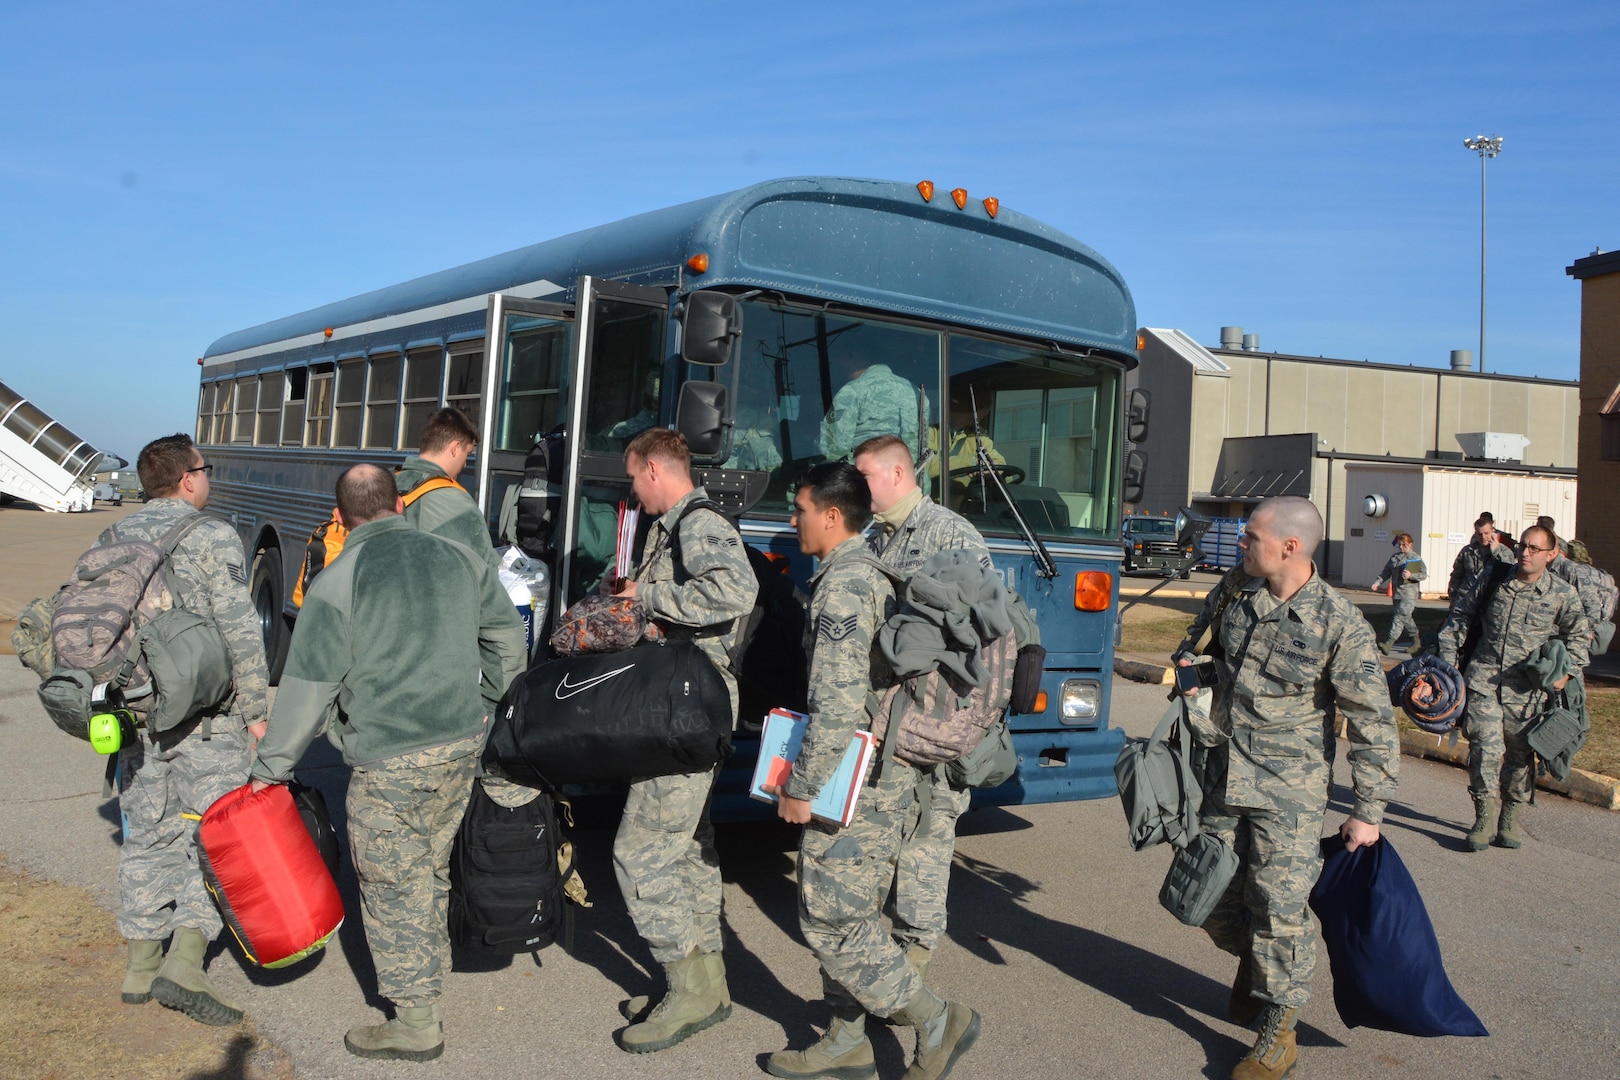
x,y
448,512
409,635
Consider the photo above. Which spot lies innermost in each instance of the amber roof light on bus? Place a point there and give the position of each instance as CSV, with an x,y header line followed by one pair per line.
x,y
327,332
699,263
959,197
925,188
992,205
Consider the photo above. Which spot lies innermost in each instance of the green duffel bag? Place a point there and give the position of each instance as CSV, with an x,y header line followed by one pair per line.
x,y
190,667
1198,877
1559,733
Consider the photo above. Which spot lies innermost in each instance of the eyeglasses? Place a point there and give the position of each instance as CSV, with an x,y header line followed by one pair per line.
x,y
209,469
1522,546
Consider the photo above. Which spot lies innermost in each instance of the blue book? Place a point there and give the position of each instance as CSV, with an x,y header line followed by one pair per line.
x,y
779,744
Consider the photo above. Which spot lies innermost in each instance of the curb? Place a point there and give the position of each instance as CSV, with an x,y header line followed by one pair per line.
x,y
1591,788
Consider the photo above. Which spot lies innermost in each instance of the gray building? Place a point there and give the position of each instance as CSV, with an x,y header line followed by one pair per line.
x,y
1231,426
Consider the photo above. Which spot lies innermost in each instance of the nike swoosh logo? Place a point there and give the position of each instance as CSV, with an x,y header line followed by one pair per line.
x,y
579,688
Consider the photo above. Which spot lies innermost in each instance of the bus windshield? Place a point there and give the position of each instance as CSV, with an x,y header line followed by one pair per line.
x,y
813,385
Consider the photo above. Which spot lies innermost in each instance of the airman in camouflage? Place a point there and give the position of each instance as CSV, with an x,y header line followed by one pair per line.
x,y
1293,649
911,529
844,872
1487,546
1402,573
403,647
167,781
875,402
694,581
1513,618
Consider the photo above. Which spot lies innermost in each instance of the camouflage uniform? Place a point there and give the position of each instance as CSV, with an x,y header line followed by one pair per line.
x,y
908,535
1287,665
402,648
168,781
1471,563
1502,700
664,854
844,872
1404,594
754,448
448,512
877,402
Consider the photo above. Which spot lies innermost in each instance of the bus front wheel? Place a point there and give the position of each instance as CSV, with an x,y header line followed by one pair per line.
x,y
269,598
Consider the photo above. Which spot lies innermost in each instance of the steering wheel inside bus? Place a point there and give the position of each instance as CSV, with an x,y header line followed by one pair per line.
x,y
1012,474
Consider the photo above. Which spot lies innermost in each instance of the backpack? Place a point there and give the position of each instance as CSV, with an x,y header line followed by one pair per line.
x,y
1597,588
1158,786
935,718
326,542
120,637
512,877
529,510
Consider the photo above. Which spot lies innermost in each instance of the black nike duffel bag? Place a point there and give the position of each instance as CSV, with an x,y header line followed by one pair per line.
x,y
655,710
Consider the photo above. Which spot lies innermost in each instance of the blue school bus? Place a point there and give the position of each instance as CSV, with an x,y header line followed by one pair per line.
x,y
1012,338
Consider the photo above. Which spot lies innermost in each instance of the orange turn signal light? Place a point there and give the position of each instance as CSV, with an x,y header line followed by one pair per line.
x,y
1093,590
327,331
699,263
925,188
992,205
1141,342
959,197
1040,702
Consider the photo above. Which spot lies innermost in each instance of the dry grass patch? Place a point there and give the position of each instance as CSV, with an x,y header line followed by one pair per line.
x,y
61,962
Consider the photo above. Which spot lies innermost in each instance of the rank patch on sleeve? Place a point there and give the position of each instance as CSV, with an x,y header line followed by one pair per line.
x,y
721,541
836,629
238,574
1369,667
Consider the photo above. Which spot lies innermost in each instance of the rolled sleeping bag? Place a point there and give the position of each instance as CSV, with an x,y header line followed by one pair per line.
x,y
264,870
1430,691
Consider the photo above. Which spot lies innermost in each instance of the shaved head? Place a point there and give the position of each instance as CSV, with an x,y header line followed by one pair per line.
x,y
1292,517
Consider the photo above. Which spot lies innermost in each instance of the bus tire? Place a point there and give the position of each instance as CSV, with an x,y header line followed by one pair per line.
x,y
269,599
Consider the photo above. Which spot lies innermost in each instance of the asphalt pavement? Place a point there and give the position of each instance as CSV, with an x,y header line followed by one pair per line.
x,y
1056,938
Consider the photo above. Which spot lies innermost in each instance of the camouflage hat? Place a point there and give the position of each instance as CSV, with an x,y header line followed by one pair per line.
x,y
1577,551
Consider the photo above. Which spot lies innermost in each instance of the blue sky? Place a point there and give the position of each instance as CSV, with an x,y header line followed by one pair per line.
x,y
172,172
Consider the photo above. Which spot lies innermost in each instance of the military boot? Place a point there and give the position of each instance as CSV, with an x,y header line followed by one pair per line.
x,y
844,1052
941,1038
414,1034
145,957
1479,837
181,984
636,1009
1243,1007
1507,833
1274,1051
694,1001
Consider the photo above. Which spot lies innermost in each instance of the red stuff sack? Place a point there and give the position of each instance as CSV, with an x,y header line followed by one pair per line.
x,y
264,871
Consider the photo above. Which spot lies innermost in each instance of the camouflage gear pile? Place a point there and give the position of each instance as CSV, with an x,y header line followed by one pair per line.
x,y
1503,699
1471,563
1402,573
1287,664
692,585
1595,587
602,624
403,817
877,402
754,448
166,783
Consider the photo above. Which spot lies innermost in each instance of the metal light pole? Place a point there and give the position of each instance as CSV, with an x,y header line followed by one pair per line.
x,y
1486,146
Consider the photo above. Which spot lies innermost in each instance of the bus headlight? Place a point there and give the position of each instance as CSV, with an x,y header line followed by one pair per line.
x,y
1081,701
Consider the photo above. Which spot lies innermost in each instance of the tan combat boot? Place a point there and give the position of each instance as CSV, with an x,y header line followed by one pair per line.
x,y
636,1009
1274,1051
145,957
941,1038
693,1002
181,984
414,1034
1479,837
1507,833
844,1052
1243,1007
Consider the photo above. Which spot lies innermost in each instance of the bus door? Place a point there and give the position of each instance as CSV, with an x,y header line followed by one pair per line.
x,y
614,396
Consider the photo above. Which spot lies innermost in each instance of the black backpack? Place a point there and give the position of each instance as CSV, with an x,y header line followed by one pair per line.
x,y
511,874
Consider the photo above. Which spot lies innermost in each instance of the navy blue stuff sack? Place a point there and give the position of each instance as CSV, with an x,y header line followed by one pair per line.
x,y
1387,972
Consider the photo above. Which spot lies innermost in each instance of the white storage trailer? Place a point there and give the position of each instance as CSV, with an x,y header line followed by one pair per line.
x,y
1438,506
41,461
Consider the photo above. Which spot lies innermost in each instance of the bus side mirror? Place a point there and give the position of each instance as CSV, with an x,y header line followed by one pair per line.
x,y
1190,530
700,415
711,323
1135,476
1136,415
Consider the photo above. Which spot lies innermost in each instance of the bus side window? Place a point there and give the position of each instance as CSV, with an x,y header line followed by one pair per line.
x,y
351,380
205,412
247,399
318,426
424,378
464,386
382,402
272,389
292,413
